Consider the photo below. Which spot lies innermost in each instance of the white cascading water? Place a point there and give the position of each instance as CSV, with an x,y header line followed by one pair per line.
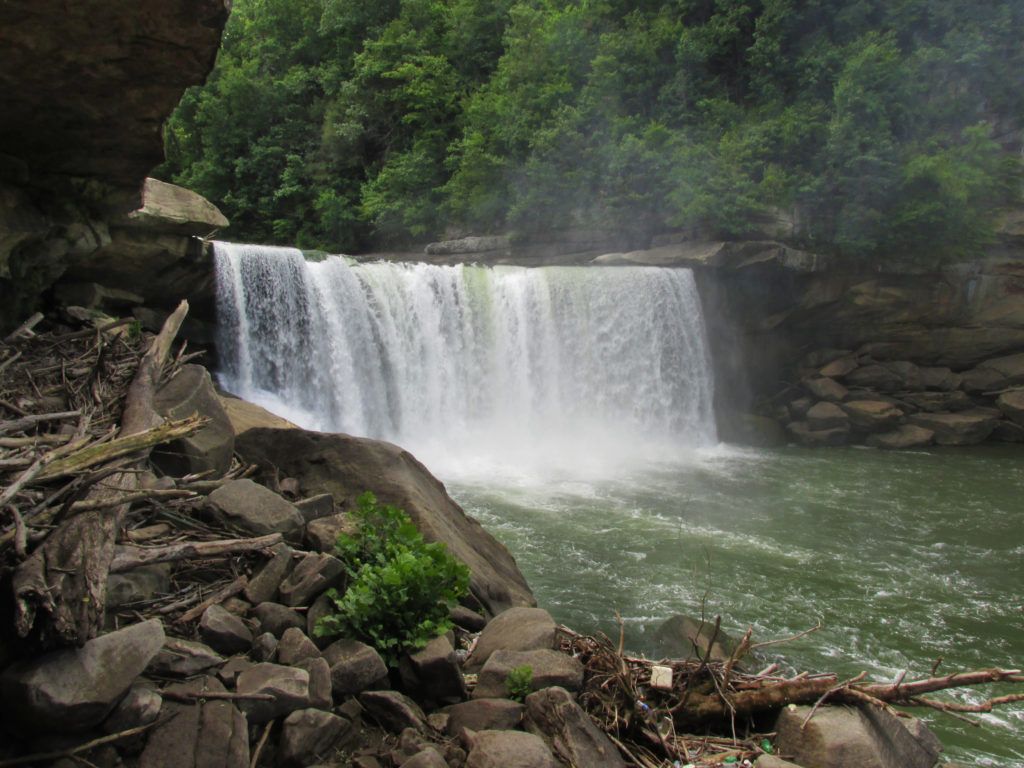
x,y
473,369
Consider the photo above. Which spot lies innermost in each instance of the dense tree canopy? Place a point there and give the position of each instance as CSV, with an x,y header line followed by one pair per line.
x,y
886,126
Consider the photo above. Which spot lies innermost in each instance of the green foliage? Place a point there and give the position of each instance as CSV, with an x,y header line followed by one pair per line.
x,y
519,682
400,588
337,125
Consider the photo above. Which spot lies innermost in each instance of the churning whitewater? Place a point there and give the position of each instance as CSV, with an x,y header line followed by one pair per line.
x,y
471,367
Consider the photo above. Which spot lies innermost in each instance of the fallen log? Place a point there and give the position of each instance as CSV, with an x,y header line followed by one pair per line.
x,y
128,556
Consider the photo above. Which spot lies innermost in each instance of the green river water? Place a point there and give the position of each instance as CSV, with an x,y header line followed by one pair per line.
x,y
904,557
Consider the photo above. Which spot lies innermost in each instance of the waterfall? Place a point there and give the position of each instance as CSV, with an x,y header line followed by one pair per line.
x,y
468,364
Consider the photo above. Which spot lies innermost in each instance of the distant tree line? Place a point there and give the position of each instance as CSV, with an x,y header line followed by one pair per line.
x,y
889,126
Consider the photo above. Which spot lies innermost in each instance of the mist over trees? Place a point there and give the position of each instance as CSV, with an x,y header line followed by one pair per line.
x,y
884,126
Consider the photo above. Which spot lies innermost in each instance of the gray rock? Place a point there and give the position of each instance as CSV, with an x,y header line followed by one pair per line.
x,y
212,447
316,507
277,619
355,666
484,715
74,689
138,584
173,209
320,687
231,669
289,687
549,667
224,632
906,436
322,534
517,629
963,428
322,606
310,735
837,737
1012,405
471,621
262,588
183,658
771,761
839,368
554,715
801,432
937,378
798,408
885,377
685,637
826,389
295,647
140,706
256,509
508,749
1007,432
872,415
264,647
312,575
434,672
426,758
213,734
996,374
824,415
393,711
236,606
934,402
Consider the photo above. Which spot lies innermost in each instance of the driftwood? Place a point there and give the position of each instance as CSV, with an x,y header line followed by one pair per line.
x,y
127,557
60,590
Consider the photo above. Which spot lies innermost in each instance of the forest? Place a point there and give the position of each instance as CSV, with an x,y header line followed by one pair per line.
x,y
877,127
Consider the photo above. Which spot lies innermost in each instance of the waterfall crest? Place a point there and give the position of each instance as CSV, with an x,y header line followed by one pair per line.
x,y
554,365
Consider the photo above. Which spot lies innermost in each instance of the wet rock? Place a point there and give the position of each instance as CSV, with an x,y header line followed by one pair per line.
x,y
554,715
316,507
872,415
312,575
74,689
138,584
685,637
471,621
963,428
393,711
837,737
484,715
310,735
212,447
434,672
1007,432
801,432
933,402
798,408
140,706
256,509
823,416
996,374
322,534
277,619
1012,405
517,629
295,647
262,588
826,389
839,368
508,749
549,668
355,666
906,436
183,658
213,734
264,647
886,377
224,632
288,687
938,378
320,686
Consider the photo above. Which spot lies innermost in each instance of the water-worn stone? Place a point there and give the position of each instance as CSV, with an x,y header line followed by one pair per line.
x,y
224,632
74,689
508,749
826,389
1007,432
801,432
429,757
393,711
434,672
824,415
839,368
277,619
320,686
938,378
798,408
837,737
309,735
138,584
549,667
355,666
484,715
256,509
885,377
963,428
212,447
1012,405
312,575
289,687
262,588
902,438
295,647
469,620
211,734
264,647
554,715
517,629
316,507
996,374
938,401
183,658
685,637
140,706
322,533
872,415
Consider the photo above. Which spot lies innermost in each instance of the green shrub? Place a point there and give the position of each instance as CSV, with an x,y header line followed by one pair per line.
x,y
401,589
520,682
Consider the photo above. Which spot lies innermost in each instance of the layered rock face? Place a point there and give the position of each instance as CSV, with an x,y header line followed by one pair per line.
x,y
84,90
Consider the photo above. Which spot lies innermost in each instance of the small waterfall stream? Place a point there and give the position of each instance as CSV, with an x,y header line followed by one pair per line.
x,y
568,366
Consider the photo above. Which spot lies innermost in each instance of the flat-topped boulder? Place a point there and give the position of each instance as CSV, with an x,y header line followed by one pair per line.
x,y
174,210
962,428
872,415
801,432
904,437
256,509
517,629
1012,405
995,374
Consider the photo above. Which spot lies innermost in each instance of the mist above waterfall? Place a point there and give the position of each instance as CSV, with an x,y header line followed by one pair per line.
x,y
557,371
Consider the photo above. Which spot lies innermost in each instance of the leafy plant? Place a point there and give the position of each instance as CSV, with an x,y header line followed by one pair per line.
x,y
401,589
519,682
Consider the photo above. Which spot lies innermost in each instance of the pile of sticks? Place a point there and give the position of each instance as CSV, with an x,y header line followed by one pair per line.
x,y
711,711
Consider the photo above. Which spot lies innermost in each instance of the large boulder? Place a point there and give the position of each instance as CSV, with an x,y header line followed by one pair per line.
x,y
484,715
309,735
211,448
508,749
74,689
434,672
998,373
286,687
963,428
313,575
256,509
802,433
346,467
872,415
685,637
174,210
824,388
517,629
554,715
822,416
934,402
902,438
354,666
1012,405
547,668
